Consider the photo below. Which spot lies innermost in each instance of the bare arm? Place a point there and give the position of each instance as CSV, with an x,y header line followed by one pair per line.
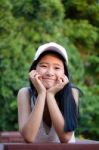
x,y
57,119
29,120
56,116
75,94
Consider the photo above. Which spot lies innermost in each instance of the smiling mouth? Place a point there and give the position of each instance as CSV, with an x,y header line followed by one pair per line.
x,y
49,79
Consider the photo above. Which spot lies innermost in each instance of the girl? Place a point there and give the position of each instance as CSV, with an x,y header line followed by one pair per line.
x,y
48,109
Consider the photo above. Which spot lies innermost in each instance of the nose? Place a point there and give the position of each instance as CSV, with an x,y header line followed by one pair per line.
x,y
49,72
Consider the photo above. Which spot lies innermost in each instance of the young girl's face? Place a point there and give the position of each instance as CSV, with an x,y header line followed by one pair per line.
x,y
50,67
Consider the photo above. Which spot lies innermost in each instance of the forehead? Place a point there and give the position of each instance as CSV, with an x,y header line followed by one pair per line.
x,y
51,58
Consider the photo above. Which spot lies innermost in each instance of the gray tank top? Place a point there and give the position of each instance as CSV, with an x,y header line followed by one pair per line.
x,y
45,134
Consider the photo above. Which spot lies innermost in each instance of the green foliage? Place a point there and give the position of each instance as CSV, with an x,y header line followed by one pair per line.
x,y
73,61
24,25
81,32
93,14
12,77
89,115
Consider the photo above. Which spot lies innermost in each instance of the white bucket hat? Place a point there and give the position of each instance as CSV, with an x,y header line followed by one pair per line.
x,y
53,47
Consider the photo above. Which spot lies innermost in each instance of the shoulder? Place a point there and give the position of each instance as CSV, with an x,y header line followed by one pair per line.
x,y
75,94
23,94
23,91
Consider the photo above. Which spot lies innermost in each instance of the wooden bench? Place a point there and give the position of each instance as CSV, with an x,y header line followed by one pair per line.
x,y
15,137
11,136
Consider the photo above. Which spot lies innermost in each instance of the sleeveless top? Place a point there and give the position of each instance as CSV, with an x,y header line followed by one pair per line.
x,y
51,136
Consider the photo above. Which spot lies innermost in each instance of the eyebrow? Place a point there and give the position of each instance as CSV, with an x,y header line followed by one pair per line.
x,y
48,63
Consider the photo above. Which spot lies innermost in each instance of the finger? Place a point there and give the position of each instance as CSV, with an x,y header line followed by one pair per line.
x,y
32,74
59,80
64,79
38,76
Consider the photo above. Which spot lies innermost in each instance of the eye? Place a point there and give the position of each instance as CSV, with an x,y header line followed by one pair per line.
x,y
57,68
43,66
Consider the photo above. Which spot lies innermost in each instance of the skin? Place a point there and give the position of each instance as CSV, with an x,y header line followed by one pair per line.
x,y
48,79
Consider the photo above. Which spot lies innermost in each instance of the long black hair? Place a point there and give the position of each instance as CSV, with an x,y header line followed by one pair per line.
x,y
64,97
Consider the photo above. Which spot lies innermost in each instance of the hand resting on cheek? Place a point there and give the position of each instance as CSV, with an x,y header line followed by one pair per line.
x,y
61,82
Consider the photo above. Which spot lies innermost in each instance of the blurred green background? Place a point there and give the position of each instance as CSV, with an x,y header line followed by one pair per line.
x,y
25,25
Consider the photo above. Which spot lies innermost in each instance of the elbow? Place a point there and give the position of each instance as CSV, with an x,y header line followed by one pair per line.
x,y
28,138
65,138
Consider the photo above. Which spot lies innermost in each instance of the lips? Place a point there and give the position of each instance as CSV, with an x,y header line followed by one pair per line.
x,y
48,82
50,79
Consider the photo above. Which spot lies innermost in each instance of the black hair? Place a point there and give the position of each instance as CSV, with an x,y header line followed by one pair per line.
x,y
64,98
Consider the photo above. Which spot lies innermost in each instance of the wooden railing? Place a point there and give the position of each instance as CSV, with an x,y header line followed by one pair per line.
x,y
11,136
47,146
14,141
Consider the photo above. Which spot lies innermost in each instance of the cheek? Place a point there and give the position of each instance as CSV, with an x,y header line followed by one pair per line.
x,y
60,73
40,71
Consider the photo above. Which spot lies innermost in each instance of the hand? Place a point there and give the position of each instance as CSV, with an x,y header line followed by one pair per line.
x,y
36,79
61,82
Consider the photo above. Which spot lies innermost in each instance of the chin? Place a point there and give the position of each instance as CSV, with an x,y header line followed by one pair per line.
x,y
48,86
